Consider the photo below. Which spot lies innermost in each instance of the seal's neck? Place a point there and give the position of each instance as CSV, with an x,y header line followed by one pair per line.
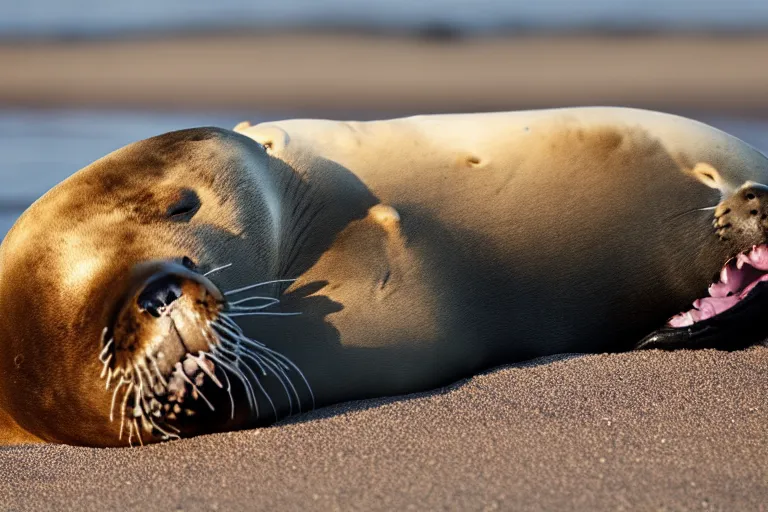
x,y
317,203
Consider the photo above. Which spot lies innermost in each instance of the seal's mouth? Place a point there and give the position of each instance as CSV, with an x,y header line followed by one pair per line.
x,y
175,357
738,278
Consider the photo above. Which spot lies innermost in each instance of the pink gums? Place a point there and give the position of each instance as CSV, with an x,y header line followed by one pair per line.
x,y
738,277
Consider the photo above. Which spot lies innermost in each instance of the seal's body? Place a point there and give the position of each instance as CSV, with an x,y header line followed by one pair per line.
x,y
423,250
505,237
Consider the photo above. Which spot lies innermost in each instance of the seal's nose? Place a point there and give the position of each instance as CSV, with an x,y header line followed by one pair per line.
x,y
162,291
743,217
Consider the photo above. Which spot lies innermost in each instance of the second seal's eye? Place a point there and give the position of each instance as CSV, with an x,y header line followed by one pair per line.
x,y
185,207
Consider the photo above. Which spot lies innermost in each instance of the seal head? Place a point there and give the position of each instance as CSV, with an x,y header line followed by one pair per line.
x,y
110,263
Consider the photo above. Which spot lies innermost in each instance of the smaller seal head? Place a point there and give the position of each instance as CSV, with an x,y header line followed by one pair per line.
x,y
731,315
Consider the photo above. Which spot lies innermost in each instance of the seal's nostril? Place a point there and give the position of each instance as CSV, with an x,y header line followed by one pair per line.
x,y
159,294
152,306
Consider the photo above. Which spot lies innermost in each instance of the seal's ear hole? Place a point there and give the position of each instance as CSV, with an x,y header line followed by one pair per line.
x,y
708,175
185,207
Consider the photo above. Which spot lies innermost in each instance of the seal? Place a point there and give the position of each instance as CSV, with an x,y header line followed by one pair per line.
x,y
208,280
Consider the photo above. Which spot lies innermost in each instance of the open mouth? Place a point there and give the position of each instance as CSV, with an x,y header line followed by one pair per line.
x,y
739,276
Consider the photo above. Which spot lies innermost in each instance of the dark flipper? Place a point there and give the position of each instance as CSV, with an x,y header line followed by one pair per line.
x,y
739,327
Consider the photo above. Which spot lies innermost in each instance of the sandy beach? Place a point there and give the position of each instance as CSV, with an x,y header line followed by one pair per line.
x,y
638,431
643,431
327,73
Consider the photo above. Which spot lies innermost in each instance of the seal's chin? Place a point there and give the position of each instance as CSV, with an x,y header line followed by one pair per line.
x,y
738,278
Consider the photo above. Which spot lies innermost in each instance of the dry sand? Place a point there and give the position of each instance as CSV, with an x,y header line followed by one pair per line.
x,y
345,72
638,431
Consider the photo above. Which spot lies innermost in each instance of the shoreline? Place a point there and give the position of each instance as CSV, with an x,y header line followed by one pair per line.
x,y
325,72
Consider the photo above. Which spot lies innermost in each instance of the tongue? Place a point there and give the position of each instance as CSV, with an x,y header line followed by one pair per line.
x,y
704,308
738,277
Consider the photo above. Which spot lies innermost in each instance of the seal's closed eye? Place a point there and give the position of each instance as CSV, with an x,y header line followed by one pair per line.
x,y
185,208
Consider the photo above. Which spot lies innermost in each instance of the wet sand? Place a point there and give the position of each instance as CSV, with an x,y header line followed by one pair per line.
x,y
325,72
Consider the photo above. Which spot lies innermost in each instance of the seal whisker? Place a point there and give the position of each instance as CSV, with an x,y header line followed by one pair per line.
x,y
704,209
283,379
277,357
230,326
114,398
104,350
105,367
258,382
177,431
200,361
109,379
257,285
150,378
138,433
124,405
296,368
282,360
251,395
233,331
252,308
261,388
240,340
227,347
168,435
186,379
238,333
214,270
279,373
265,313
156,367
246,352
231,398
137,397
255,297
143,405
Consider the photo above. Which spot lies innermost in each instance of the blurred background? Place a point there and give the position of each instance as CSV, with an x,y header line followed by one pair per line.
x,y
80,78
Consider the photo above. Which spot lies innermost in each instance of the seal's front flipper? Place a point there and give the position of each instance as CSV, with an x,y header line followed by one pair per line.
x,y
741,326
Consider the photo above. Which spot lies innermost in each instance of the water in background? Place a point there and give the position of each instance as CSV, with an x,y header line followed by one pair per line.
x,y
103,17
39,148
